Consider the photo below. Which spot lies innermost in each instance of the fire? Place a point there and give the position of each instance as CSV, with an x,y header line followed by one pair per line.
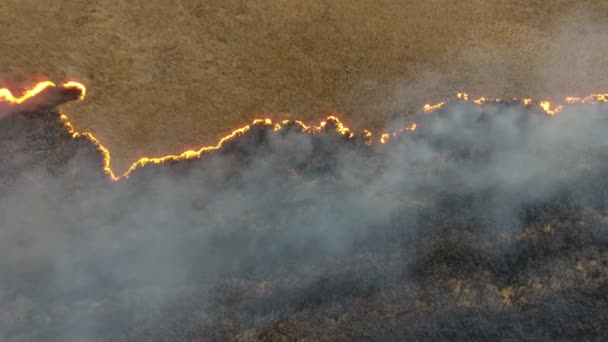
x,y
104,151
428,108
339,126
591,99
7,96
384,138
78,86
546,106
462,96
367,137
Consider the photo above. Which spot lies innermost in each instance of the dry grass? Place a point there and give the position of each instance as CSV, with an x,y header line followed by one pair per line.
x,y
164,76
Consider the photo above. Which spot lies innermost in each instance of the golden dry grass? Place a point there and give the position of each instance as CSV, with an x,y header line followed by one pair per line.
x,y
168,75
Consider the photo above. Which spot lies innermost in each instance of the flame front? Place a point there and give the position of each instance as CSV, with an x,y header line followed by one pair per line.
x,y
428,108
548,107
78,86
7,96
591,99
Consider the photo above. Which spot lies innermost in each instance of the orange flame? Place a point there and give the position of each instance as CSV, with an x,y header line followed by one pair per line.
x,y
431,108
591,99
546,106
384,138
463,96
367,137
7,96
104,151
76,85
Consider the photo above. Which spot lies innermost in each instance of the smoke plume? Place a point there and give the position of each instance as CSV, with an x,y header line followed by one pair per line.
x,y
485,223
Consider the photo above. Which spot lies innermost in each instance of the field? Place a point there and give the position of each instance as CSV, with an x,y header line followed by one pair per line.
x,y
167,76
487,221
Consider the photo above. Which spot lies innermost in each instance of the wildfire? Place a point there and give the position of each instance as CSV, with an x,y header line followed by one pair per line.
x,y
463,96
367,137
591,99
384,138
548,107
78,86
332,121
7,96
104,151
428,108
338,126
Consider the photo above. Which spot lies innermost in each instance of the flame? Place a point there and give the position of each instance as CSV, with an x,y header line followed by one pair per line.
x,y
431,108
546,106
367,137
76,85
462,96
480,100
7,96
104,151
591,99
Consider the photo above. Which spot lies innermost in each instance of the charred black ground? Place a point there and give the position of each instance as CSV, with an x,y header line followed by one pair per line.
x,y
483,224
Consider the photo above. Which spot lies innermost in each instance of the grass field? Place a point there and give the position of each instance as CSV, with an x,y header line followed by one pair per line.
x,y
165,76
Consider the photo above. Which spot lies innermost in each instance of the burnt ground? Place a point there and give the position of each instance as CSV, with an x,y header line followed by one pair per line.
x,y
480,225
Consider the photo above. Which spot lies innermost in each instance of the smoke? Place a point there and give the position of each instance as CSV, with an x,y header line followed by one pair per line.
x,y
483,223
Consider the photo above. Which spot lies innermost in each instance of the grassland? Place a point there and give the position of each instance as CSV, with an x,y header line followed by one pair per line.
x,y
164,76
